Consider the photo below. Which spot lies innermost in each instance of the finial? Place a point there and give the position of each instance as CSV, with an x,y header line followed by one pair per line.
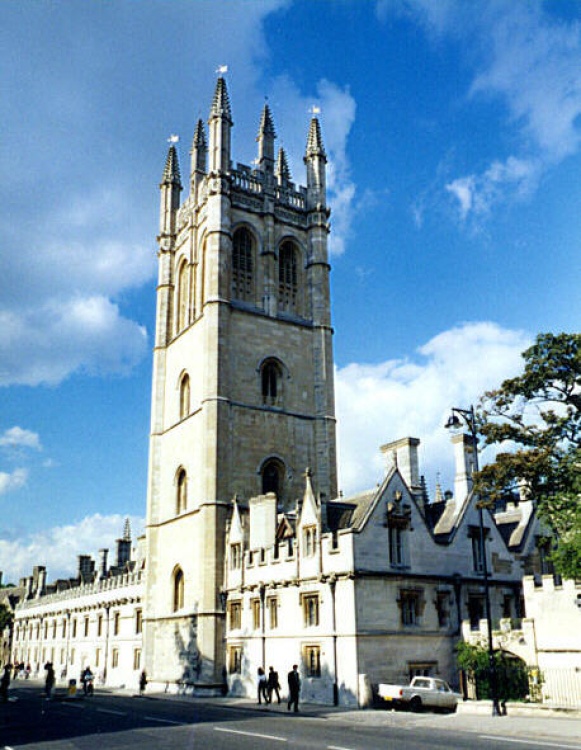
x,y
173,139
221,69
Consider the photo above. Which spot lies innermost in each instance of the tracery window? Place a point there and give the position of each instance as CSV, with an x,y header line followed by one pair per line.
x,y
182,491
178,590
272,477
271,382
183,297
184,396
242,264
287,277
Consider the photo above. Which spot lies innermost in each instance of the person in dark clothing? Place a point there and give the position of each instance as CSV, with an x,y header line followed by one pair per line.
x,y
273,684
4,684
142,682
294,688
49,680
262,686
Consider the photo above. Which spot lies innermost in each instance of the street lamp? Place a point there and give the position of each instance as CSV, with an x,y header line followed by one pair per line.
x,y
455,422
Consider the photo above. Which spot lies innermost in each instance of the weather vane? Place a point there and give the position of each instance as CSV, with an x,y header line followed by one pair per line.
x,y
314,110
173,139
222,69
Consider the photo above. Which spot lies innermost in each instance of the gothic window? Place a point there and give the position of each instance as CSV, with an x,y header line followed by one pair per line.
x,y
234,659
273,612
310,538
411,605
312,660
443,608
287,277
255,607
178,590
182,491
396,546
235,556
183,296
475,610
272,477
311,609
478,542
184,396
242,265
235,615
271,382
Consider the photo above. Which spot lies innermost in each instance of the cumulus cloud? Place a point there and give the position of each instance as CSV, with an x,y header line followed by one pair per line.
x,y
47,343
379,403
16,437
57,548
13,480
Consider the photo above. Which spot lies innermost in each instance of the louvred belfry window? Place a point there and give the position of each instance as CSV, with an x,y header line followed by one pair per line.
x,y
287,277
242,265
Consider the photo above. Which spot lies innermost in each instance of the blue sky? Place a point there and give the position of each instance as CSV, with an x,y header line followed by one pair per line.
x,y
453,132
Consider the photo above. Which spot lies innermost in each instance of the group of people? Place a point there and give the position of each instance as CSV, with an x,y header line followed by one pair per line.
x,y
269,685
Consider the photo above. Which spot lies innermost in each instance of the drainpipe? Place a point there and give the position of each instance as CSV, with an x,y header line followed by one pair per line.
x,y
332,585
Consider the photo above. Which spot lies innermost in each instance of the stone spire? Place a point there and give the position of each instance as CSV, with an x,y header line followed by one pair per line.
x,y
315,141
127,530
170,187
199,154
316,160
221,102
171,172
265,138
220,123
282,169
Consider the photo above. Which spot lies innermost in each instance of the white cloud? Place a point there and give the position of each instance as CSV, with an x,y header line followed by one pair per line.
x,y
16,437
379,403
13,481
530,61
57,548
47,343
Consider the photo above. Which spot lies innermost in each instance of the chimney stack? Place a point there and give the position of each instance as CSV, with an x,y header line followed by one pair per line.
x,y
403,454
465,447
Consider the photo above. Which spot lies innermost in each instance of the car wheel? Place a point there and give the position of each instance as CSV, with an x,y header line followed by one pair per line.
x,y
416,704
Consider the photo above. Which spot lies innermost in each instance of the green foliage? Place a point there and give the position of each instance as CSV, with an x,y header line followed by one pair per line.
x,y
513,677
538,414
6,617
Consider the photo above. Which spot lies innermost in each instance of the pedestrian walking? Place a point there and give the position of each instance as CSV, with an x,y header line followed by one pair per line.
x,y
4,683
49,680
273,684
294,688
262,686
142,682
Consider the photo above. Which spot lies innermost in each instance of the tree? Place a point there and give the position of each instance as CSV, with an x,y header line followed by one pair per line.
x,y
514,677
538,415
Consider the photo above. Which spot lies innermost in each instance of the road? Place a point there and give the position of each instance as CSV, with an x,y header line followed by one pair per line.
x,y
119,721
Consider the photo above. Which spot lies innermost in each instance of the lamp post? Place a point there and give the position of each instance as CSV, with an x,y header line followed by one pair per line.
x,y
454,422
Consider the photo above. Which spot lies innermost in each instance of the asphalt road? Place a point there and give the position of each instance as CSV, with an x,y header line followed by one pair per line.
x,y
117,722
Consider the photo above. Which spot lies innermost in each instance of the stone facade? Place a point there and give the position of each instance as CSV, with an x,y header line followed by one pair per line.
x,y
243,396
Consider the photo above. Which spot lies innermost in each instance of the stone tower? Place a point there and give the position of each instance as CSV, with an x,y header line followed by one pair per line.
x,y
243,394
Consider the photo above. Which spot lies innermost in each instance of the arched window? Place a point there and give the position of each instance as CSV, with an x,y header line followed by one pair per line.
x,y
182,491
184,396
183,297
242,264
287,276
271,382
178,589
272,477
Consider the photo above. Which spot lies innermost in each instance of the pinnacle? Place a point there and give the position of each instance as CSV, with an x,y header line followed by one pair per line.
x,y
282,168
199,136
315,141
266,123
221,102
127,530
171,172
